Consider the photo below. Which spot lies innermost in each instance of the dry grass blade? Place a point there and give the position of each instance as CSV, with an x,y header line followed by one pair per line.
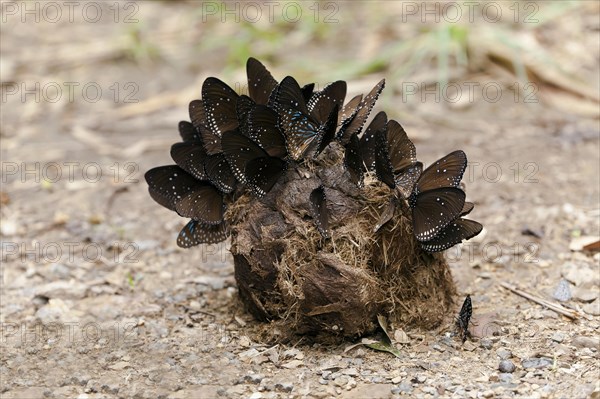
x,y
572,314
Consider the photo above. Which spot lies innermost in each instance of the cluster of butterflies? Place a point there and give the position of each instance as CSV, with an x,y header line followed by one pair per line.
x,y
246,142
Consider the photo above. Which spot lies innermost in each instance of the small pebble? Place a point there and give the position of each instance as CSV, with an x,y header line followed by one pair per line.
x,y
323,381
558,337
486,343
586,342
506,366
536,363
504,353
562,292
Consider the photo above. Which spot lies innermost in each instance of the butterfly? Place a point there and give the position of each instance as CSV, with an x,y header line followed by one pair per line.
x,y
196,232
319,211
436,201
210,140
355,122
190,156
395,159
220,103
250,163
369,140
353,161
462,321
188,132
219,172
243,108
302,132
455,233
260,81
262,128
323,102
177,190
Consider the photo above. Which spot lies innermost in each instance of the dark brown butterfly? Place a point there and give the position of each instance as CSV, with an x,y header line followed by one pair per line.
x,y
462,321
177,190
196,232
190,156
355,123
219,172
220,103
210,140
353,161
455,233
369,140
260,81
436,201
250,163
319,211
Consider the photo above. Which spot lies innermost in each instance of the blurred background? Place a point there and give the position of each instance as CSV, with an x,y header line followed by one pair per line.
x,y
92,93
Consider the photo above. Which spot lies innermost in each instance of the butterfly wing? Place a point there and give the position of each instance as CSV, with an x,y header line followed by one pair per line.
x,y
435,209
260,81
349,110
243,108
204,203
188,132
196,232
307,91
368,142
288,95
455,233
356,123
407,178
323,102
190,156
445,172
219,102
383,165
353,161
239,150
327,131
262,174
211,142
219,172
467,208
262,128
319,211
402,151
299,130
169,184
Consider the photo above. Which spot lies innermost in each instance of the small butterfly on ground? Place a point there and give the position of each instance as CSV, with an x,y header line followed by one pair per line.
x,y
196,232
319,211
462,321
